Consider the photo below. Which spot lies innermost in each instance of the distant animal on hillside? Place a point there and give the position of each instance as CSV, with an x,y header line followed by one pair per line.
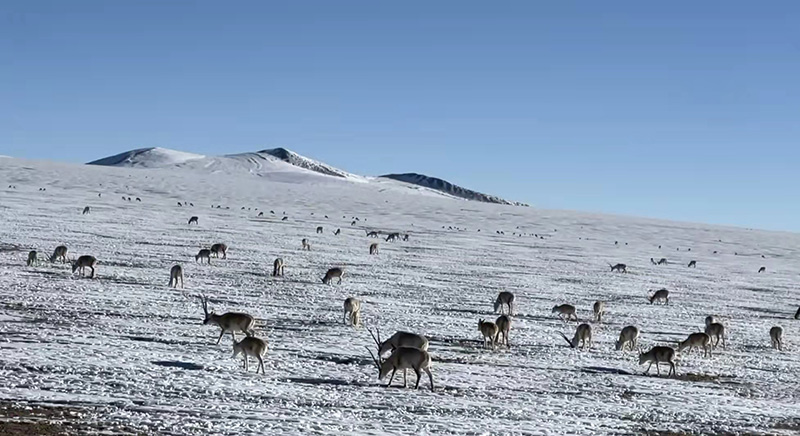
x,y
599,309
660,295
565,312
776,335
629,335
277,268
175,274
797,314
32,258
138,199
405,237
503,323
337,232
284,218
203,254
659,355
319,229
392,237
59,253
620,267
583,336
489,331
193,220
692,264
85,210
696,340
179,204
352,311
504,299
762,269
84,262
717,332
216,249
372,234
373,248
332,274
306,245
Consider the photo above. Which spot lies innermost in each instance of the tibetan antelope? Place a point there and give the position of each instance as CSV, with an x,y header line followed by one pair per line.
x,y
797,314
216,249
504,299
692,264
372,234
662,261
629,335
503,323
373,248
228,322
660,295
85,210
251,346
659,355
583,336
620,267
203,254
352,311
489,331
337,232
776,334
306,245
84,262
711,319
319,229
565,312
404,358
699,340
277,268
32,258
333,273
192,220
392,237
599,309
716,331
59,253
762,269
175,274
399,339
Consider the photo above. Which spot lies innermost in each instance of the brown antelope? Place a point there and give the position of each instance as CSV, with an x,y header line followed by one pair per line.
x,y
84,262
659,355
306,245
620,267
583,335
797,314
716,331
175,274
352,307
192,220
59,253
333,273
203,254
372,234
228,322
489,331
762,269
599,309
503,323
85,210
216,249
373,248
319,229
693,264
662,261
404,358
711,320
506,299
32,258
565,312
629,335
776,334
399,339
277,268
660,295
699,340
251,346
392,237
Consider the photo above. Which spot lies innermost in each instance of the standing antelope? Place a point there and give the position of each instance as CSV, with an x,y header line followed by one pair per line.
x,y
662,261
372,234
583,334
251,346
693,264
203,254
393,237
32,259
599,309
659,355
85,210
621,267
797,314
373,248
319,229
192,220
711,319
762,269
306,245
504,298
404,358
776,334
399,339
503,323
352,307
567,310
175,273
699,340
660,295
216,249
228,322
83,262
716,331
59,253
489,331
629,335
333,273
277,268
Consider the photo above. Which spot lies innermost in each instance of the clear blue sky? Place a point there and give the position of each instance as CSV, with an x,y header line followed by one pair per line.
x,y
685,110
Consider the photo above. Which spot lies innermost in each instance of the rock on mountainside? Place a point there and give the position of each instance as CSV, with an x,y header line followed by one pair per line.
x,y
295,159
448,188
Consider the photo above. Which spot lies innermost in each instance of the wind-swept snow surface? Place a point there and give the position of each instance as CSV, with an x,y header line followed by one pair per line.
x,y
129,350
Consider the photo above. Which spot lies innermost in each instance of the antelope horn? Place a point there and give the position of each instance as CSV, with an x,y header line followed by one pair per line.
x,y
373,358
567,339
377,341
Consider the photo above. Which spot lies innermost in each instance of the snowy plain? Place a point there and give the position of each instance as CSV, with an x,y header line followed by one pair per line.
x,y
128,350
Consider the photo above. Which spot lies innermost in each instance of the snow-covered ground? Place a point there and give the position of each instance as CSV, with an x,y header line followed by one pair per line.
x,y
130,350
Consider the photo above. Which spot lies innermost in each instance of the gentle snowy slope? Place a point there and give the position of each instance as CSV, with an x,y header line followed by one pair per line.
x,y
154,157
127,349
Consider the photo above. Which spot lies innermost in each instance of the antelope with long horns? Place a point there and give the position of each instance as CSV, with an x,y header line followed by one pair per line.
x,y
399,339
404,358
228,322
583,336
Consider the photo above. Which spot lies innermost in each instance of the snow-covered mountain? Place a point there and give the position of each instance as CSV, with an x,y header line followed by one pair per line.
x,y
153,157
448,188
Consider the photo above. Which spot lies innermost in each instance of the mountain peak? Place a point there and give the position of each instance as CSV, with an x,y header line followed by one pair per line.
x,y
448,188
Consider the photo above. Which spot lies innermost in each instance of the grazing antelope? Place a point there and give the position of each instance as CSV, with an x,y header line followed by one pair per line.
x,y
660,295
567,310
261,214
628,335
373,248
692,264
399,339
503,323
662,261
337,232
506,299
179,203
319,229
583,335
620,267
352,309
372,234
776,334
797,314
251,346
59,253
599,308
405,237
84,262
762,269
277,268
306,245
716,331
203,254
85,210
489,331
32,258
404,358
216,249
711,320
175,273
659,355
140,200
699,340
228,322
192,220
284,218
392,237
333,273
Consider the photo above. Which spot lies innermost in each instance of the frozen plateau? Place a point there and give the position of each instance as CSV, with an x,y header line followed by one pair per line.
x,y
122,353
